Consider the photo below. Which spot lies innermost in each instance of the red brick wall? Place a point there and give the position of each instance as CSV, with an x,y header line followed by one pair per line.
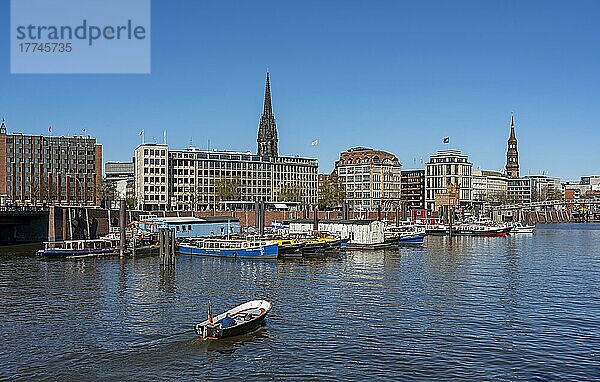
x,y
248,218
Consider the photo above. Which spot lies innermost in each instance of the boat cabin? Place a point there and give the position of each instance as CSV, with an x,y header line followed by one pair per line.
x,y
78,245
190,226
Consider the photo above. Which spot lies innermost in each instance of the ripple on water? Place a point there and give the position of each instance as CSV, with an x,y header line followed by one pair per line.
x,y
516,308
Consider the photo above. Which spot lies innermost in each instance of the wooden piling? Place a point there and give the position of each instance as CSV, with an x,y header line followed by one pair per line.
x,y
122,228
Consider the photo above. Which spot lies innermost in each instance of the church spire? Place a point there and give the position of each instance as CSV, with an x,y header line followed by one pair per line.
x,y
512,127
268,108
512,154
267,130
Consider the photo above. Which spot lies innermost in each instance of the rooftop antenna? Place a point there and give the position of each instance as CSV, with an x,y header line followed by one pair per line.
x,y
165,137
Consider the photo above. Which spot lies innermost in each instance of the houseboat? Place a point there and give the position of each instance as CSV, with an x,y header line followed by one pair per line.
x,y
354,234
190,226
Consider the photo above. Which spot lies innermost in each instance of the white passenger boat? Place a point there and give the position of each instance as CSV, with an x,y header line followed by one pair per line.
x,y
71,248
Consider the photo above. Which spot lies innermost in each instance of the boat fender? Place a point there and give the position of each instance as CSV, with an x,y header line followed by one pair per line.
x,y
234,254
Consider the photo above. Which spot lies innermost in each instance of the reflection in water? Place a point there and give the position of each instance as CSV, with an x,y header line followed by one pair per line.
x,y
167,279
522,307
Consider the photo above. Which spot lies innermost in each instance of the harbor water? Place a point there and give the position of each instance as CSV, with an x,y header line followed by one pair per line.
x,y
524,307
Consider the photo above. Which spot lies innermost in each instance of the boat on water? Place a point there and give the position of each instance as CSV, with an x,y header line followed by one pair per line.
x,y
480,230
289,247
246,249
239,320
520,228
412,238
73,248
405,234
322,245
469,230
437,230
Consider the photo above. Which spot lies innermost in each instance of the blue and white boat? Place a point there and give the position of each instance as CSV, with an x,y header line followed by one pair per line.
x,y
412,238
243,249
406,234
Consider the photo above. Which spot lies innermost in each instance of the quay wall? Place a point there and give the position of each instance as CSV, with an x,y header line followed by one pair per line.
x,y
66,223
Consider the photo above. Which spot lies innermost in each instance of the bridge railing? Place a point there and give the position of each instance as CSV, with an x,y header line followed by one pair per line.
x,y
24,208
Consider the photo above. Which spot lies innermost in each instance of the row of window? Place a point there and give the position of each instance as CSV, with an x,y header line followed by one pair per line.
x,y
155,152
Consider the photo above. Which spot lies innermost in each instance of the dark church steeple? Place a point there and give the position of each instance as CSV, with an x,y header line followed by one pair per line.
x,y
267,130
512,155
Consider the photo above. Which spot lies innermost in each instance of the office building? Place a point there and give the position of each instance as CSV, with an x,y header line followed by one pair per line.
x,y
36,169
444,168
413,189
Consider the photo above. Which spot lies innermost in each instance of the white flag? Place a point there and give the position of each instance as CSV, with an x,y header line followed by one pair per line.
x,y
315,142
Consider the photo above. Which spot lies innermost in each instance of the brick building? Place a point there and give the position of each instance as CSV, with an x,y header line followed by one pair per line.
x,y
36,169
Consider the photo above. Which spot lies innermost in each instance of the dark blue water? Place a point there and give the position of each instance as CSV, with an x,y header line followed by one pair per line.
x,y
518,308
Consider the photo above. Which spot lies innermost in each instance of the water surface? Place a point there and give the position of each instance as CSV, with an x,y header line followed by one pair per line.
x,y
518,308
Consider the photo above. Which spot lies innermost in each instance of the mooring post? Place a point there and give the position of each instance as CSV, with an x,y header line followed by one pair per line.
x,y
65,221
257,215
161,244
167,245
173,246
122,228
450,218
262,218
87,223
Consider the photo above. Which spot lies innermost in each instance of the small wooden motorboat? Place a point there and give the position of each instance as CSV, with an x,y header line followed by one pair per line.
x,y
520,228
71,248
411,238
239,320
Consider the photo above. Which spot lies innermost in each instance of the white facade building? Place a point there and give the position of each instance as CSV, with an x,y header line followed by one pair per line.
x,y
444,168
489,186
189,179
519,191
545,188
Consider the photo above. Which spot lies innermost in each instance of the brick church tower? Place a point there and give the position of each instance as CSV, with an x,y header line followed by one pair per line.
x,y
512,155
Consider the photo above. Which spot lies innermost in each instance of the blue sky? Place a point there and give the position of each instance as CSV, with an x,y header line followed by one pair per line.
x,y
393,75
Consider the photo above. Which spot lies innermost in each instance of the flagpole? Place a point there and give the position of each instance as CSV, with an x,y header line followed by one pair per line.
x,y
316,144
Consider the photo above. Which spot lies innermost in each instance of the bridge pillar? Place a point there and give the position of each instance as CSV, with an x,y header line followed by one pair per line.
x,y
51,226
